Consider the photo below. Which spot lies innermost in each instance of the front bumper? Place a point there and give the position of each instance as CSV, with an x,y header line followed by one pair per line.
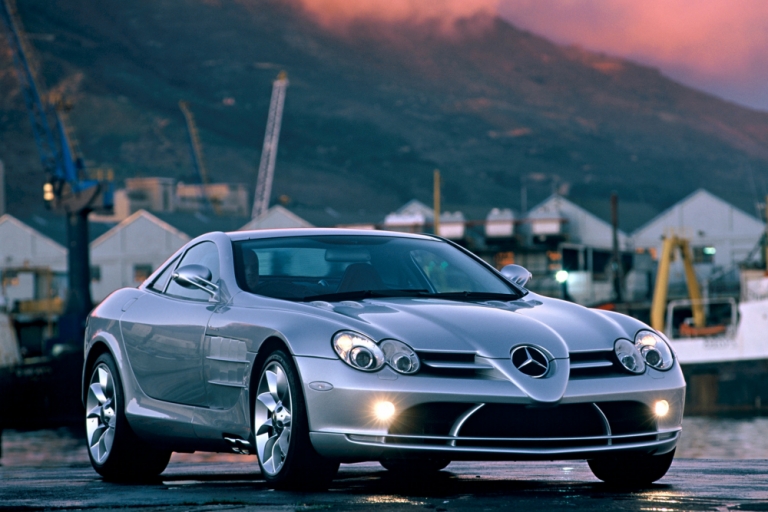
x,y
343,425
360,448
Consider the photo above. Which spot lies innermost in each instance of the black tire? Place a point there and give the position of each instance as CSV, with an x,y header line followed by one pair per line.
x,y
129,458
298,466
631,470
415,466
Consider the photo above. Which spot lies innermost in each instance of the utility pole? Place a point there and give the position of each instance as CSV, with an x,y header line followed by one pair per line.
x,y
269,151
616,263
436,199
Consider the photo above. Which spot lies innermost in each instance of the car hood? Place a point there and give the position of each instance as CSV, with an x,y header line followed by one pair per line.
x,y
489,328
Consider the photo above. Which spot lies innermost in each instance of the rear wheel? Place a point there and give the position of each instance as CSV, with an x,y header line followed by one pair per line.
x,y
631,470
115,451
426,465
286,456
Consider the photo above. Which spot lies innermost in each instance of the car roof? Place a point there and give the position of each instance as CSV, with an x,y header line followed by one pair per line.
x,y
237,236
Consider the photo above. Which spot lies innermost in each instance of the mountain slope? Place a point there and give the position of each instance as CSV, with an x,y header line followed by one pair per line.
x,y
370,112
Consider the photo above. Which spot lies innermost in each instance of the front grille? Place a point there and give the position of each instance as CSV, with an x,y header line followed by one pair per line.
x,y
520,421
595,363
525,427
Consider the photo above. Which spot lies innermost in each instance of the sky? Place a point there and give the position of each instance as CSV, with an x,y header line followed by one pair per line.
x,y
718,46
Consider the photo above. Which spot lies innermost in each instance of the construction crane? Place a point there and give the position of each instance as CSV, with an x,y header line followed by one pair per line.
x,y
269,152
66,190
659,305
197,151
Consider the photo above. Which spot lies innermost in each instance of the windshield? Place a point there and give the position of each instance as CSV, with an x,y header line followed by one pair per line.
x,y
342,267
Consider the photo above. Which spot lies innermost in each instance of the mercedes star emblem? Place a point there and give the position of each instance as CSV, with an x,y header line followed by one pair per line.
x,y
530,361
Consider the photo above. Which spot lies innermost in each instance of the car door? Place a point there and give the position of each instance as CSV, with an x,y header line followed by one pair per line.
x,y
164,332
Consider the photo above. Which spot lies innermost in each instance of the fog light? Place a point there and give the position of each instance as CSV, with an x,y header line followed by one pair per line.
x,y
384,410
661,408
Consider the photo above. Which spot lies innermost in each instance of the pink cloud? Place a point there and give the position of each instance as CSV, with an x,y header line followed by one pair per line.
x,y
719,46
338,13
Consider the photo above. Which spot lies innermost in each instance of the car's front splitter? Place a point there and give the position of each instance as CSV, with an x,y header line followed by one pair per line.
x,y
354,447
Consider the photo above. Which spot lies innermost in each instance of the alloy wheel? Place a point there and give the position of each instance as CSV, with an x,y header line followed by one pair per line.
x,y
101,417
274,407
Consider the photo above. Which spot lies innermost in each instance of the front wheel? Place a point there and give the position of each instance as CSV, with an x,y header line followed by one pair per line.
x,y
631,470
286,456
115,451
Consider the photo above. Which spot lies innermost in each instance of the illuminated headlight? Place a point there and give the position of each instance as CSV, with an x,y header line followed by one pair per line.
x,y
661,408
655,350
358,351
400,357
629,356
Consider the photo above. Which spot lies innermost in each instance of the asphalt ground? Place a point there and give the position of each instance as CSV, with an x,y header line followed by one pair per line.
x,y
691,484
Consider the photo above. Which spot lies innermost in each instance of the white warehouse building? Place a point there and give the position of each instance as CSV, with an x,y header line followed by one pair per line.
x,y
126,254
721,236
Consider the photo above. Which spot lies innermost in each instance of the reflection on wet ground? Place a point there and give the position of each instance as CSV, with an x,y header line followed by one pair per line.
x,y
67,447
691,485
703,438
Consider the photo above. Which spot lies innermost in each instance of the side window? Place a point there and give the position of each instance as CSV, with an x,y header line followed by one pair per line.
x,y
205,254
159,283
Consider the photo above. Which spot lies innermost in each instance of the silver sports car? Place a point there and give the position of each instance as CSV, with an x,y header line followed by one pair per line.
x,y
314,347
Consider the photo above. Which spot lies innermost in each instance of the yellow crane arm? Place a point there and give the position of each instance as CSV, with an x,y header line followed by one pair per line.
x,y
694,292
659,304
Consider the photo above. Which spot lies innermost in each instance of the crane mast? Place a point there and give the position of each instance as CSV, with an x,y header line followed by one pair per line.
x,y
269,152
66,189
197,150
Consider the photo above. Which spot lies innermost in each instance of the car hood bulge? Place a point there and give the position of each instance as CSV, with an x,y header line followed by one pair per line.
x,y
489,328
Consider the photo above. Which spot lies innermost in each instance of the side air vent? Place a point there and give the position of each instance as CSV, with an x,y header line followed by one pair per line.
x,y
453,364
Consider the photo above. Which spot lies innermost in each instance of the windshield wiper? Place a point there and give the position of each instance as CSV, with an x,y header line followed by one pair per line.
x,y
366,294
472,296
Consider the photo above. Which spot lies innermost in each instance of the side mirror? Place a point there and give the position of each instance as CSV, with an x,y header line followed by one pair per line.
x,y
516,274
196,276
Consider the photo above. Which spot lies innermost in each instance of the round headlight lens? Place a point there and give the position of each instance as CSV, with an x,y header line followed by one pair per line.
x,y
629,356
655,350
400,356
358,351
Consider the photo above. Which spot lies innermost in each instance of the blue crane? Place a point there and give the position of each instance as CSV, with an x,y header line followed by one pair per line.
x,y
66,189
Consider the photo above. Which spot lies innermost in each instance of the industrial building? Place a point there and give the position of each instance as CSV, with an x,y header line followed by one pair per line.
x,y
557,234
722,238
166,195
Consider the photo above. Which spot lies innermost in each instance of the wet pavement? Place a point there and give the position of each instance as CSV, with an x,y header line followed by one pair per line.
x,y
691,484
49,470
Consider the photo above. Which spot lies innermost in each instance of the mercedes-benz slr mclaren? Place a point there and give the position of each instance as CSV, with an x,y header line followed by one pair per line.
x,y
311,348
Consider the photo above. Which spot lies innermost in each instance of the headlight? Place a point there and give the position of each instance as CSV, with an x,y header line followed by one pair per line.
x,y
358,351
400,357
655,350
629,356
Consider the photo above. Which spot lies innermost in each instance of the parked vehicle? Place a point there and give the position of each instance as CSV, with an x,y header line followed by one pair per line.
x,y
315,347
